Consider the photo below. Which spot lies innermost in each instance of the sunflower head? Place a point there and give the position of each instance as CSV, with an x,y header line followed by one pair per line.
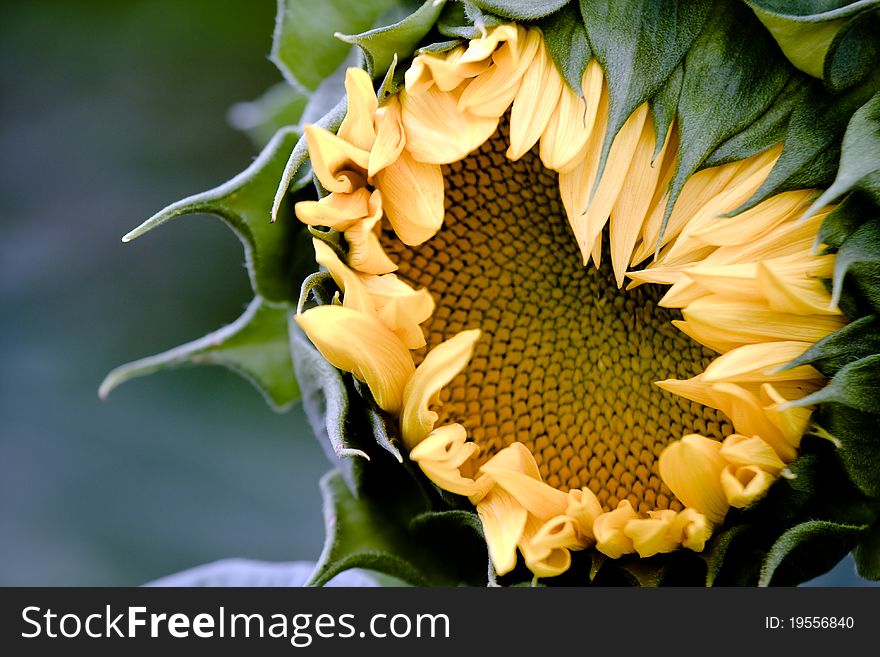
x,y
578,310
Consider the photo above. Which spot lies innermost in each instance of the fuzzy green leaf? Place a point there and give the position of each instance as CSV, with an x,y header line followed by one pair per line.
x,y
860,154
361,534
855,210
304,47
732,58
463,20
858,261
856,340
853,52
664,106
855,433
856,385
254,346
279,107
382,44
639,44
867,553
718,549
566,39
520,9
244,203
808,550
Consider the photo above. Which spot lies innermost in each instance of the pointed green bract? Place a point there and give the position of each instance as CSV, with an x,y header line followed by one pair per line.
x,y
855,384
566,40
382,44
520,9
858,262
855,341
254,346
856,434
808,550
639,44
664,106
867,553
243,204
304,47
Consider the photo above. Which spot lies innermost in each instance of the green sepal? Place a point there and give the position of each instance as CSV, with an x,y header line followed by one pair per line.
x,y
254,346
280,106
520,9
566,39
639,44
846,217
808,550
858,263
720,552
856,385
867,553
464,20
362,534
854,51
733,57
855,341
860,155
855,433
380,45
304,47
243,204
664,107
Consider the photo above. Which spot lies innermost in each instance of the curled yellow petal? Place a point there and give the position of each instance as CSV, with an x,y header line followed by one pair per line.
x,y
359,343
390,137
749,418
336,210
365,252
412,194
339,165
744,484
652,535
438,368
744,450
355,294
691,467
692,529
438,131
584,507
504,521
357,126
546,546
608,529
539,499
441,456
481,48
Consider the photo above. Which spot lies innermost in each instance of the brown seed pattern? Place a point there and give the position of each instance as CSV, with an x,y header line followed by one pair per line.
x,y
567,362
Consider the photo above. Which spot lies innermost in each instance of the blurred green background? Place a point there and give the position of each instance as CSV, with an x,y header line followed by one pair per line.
x,y
109,111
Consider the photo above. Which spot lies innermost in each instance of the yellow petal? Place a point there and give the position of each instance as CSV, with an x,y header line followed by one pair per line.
x,y
608,529
338,211
539,499
791,421
757,363
355,294
536,98
652,535
503,522
400,307
365,252
441,456
692,528
743,450
797,293
480,49
437,131
439,367
339,165
546,546
691,467
412,195
629,209
571,123
359,343
748,417
696,389
744,484
357,126
491,93
516,457
584,507
390,137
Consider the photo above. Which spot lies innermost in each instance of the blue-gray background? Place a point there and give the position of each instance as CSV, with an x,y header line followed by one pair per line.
x,y
109,110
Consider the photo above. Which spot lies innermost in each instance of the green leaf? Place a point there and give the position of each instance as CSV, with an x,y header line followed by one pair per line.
x,y
856,385
858,261
279,107
664,106
304,47
382,44
566,38
639,44
244,204
463,20
853,52
520,9
254,346
860,154
845,219
808,550
853,342
732,58
717,551
360,534
812,140
855,433
867,554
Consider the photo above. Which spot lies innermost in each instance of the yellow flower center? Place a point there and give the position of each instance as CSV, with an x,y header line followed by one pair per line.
x,y
566,363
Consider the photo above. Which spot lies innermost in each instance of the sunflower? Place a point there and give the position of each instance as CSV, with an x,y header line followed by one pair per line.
x,y
591,333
